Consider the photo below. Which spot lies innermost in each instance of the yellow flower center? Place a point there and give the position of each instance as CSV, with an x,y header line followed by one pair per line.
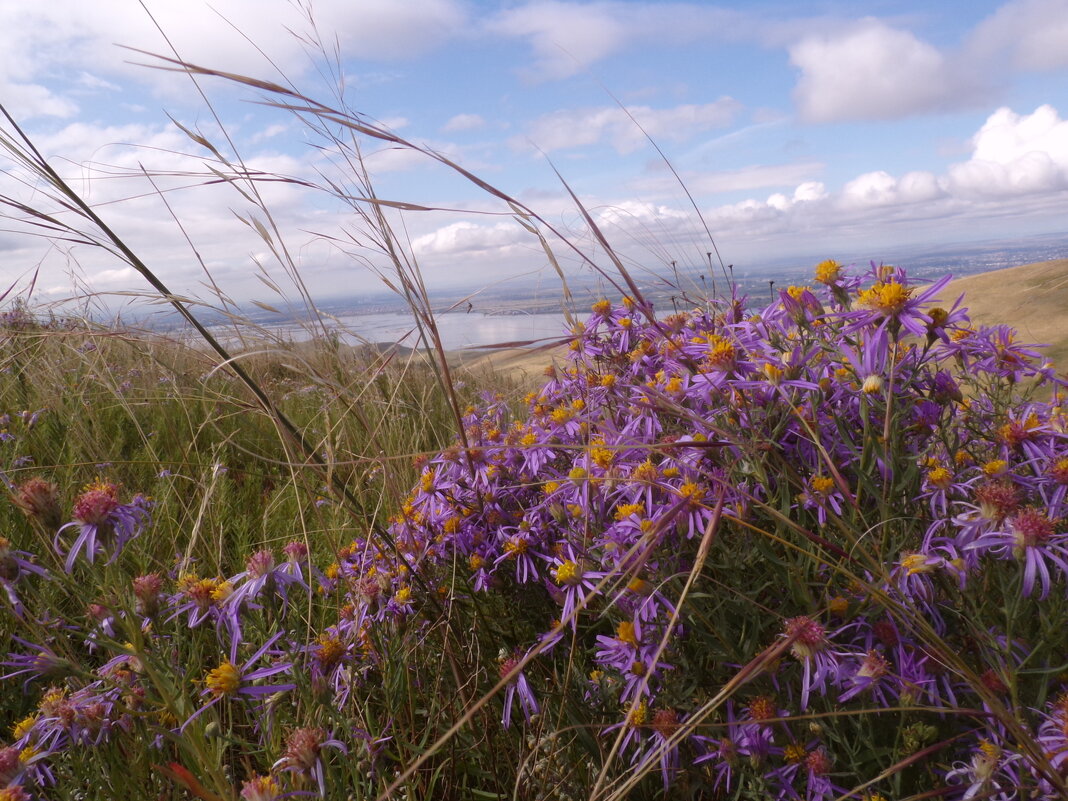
x,y
995,467
601,456
940,477
568,573
225,680
625,510
886,297
22,728
916,563
827,272
638,714
625,633
821,484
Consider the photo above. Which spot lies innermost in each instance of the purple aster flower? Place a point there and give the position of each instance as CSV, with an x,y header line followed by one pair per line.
x,y
264,576
663,745
39,662
810,645
261,788
866,676
576,581
102,524
990,773
517,688
1053,739
1031,537
892,304
230,680
635,720
15,565
304,755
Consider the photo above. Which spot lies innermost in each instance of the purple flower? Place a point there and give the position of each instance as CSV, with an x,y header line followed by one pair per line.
x,y
102,523
1031,537
14,566
989,773
304,754
230,680
517,688
892,304
810,645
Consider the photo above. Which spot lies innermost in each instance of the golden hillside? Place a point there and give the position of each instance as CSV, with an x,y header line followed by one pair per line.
x,y
1032,298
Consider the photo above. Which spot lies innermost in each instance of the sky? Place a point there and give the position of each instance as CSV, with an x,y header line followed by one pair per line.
x,y
786,130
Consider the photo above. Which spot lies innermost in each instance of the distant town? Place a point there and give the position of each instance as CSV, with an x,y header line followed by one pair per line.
x,y
382,313
530,297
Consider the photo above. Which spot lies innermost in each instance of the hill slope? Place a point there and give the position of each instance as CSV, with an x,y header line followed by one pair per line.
x,y
1032,298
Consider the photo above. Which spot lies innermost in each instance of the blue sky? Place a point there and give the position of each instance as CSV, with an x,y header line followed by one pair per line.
x,y
802,130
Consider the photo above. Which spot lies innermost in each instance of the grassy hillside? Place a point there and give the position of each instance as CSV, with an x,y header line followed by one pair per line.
x,y
1032,298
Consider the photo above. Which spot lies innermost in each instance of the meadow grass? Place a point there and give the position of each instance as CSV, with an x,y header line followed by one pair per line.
x,y
810,549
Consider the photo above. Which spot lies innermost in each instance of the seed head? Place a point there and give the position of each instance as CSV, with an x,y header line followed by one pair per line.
x,y
302,748
808,637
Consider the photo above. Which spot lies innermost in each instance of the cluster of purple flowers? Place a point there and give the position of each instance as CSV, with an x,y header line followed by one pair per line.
x,y
798,420
844,506
119,700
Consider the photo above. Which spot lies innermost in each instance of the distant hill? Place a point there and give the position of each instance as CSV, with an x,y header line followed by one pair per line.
x,y
1032,298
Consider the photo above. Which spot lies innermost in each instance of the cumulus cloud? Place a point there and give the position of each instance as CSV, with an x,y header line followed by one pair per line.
x,y
568,37
1018,165
1028,34
30,100
1015,154
42,39
879,188
810,190
470,238
570,128
871,71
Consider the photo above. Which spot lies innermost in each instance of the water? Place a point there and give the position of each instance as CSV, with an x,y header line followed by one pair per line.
x,y
457,330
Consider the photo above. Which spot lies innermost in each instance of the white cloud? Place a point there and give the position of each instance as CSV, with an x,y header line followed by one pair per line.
x,y
1028,34
871,189
566,38
572,128
29,100
93,82
269,132
38,39
810,190
871,71
1018,167
469,238
1015,154
635,211
879,188
464,122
